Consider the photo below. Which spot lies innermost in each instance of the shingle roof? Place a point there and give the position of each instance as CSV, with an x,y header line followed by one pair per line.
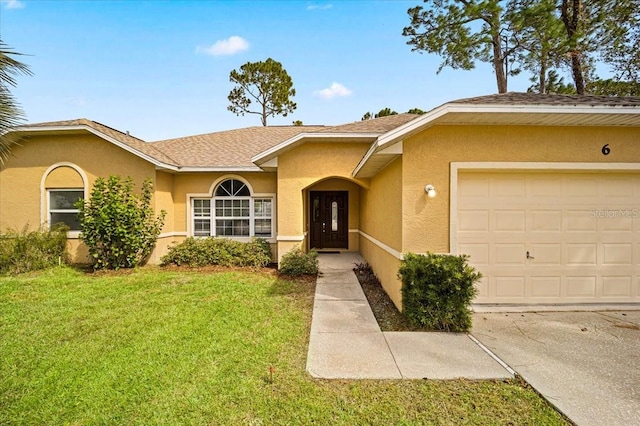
x,y
377,125
231,148
518,98
236,148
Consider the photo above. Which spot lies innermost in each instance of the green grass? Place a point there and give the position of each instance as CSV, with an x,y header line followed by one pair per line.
x,y
170,347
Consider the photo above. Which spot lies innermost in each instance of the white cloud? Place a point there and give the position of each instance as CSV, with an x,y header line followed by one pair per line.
x,y
333,91
13,4
314,6
230,46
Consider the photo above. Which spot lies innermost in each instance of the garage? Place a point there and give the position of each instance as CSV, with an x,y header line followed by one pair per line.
x,y
550,237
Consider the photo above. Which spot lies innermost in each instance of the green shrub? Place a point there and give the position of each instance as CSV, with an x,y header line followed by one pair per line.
x,y
437,290
23,251
118,226
218,251
296,262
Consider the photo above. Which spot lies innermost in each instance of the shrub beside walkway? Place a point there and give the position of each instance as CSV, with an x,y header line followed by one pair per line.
x,y
347,343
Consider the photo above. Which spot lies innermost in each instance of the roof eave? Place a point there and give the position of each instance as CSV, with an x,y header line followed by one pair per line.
x,y
431,118
224,169
290,143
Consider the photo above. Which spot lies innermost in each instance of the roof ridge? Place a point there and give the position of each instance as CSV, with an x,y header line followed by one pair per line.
x,y
559,99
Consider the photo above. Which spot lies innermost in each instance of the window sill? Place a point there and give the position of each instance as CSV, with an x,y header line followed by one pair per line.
x,y
73,235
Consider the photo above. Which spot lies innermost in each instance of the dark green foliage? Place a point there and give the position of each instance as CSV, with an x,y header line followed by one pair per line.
x,y
266,85
23,251
11,114
437,290
213,251
119,226
296,262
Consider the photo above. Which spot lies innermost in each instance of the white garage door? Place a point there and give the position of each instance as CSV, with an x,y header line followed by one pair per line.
x,y
552,238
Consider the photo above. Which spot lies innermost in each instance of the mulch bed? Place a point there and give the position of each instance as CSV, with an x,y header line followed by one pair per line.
x,y
386,313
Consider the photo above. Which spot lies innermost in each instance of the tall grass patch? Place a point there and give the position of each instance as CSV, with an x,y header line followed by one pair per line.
x,y
24,251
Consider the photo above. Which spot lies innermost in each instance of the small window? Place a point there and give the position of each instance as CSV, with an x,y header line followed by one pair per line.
x,y
201,218
62,207
262,217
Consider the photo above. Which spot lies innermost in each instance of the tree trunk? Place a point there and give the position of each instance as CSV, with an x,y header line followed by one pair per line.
x,y
498,63
542,76
571,19
576,70
264,114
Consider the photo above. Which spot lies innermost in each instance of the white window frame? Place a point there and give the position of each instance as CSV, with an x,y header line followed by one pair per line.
x,y
50,210
253,197
44,194
215,217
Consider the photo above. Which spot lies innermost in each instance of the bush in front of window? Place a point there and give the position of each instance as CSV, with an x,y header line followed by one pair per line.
x,y
119,226
24,251
437,290
296,262
213,251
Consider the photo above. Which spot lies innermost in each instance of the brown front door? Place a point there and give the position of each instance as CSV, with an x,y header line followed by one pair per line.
x,y
329,219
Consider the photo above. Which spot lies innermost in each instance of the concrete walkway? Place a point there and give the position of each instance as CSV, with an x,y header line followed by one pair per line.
x,y
347,343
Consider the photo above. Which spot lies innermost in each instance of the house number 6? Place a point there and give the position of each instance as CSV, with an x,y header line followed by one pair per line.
x,y
606,150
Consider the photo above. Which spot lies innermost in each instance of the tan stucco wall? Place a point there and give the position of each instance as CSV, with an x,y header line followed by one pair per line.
x,y
301,168
427,157
381,213
22,174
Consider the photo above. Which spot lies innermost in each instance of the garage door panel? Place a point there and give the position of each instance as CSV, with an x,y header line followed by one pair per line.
x,y
578,190
512,188
545,287
581,286
582,231
508,254
617,254
617,221
619,190
546,220
617,286
582,254
473,220
474,188
579,221
511,287
545,190
509,220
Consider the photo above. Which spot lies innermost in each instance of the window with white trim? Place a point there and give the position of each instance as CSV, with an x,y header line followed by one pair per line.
x,y
62,207
232,212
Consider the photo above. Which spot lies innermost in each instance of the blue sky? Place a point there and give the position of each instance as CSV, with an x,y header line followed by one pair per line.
x,y
160,69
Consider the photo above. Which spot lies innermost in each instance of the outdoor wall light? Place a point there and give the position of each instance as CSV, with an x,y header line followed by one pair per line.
x,y
430,190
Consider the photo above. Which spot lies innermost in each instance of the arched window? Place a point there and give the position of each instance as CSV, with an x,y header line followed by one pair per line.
x,y
232,212
64,185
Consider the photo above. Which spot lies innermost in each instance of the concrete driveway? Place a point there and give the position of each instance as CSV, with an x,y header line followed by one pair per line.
x,y
587,364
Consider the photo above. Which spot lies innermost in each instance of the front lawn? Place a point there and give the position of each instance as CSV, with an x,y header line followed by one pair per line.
x,y
153,346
